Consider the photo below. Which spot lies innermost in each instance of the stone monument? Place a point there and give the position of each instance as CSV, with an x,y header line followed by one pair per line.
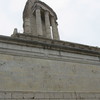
x,y
40,20
37,65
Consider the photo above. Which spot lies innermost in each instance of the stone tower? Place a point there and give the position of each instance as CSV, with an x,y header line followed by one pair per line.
x,y
40,20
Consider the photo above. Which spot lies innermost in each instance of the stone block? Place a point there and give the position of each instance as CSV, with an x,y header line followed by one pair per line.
x,y
87,99
69,95
66,99
7,95
8,99
2,95
97,95
29,96
53,99
58,95
49,95
4,45
91,96
39,95
24,99
17,95
42,99
86,96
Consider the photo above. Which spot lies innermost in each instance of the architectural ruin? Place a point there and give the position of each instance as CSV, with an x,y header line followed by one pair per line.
x,y
36,65
40,20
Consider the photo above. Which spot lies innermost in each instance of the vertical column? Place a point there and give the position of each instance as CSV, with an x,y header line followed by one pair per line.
x,y
39,22
54,29
27,26
47,25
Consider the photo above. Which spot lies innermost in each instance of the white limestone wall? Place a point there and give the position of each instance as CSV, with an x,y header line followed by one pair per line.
x,y
33,69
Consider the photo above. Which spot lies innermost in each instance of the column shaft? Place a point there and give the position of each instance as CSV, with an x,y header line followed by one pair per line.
x,y
27,26
39,22
47,25
54,29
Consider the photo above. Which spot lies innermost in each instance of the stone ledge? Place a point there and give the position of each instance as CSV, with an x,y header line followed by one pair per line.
x,y
48,95
24,51
40,42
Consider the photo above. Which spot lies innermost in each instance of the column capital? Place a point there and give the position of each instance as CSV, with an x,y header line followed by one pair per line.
x,y
46,11
53,18
38,7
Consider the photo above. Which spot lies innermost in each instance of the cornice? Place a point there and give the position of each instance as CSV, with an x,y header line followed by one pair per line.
x,y
40,42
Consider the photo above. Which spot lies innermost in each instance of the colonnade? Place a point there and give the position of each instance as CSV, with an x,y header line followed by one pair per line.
x,y
50,24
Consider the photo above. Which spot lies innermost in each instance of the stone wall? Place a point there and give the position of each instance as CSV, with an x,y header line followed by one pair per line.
x,y
24,68
39,70
49,96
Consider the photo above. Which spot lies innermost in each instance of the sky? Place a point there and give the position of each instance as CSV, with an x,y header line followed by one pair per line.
x,y
78,20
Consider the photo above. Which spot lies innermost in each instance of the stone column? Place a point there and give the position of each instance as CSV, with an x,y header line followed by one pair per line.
x,y
54,29
27,26
39,22
47,25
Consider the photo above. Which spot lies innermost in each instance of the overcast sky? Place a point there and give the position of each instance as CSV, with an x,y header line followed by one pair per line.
x,y
79,20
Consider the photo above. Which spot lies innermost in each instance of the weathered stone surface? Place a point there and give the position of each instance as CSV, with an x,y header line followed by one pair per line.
x,y
24,68
37,22
18,95
5,95
38,68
